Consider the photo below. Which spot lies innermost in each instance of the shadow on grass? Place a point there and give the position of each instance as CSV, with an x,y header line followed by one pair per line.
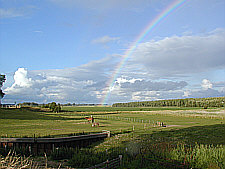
x,y
92,113
209,134
31,114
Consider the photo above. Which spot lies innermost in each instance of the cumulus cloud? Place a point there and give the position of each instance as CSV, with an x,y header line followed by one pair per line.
x,y
186,94
206,84
161,69
133,89
185,55
20,81
78,84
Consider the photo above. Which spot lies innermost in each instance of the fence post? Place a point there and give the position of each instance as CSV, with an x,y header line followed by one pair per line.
x,y
108,132
120,156
107,164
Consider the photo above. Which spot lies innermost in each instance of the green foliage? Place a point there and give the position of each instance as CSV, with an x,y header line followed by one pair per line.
x,y
190,102
199,155
56,108
196,147
2,80
1,94
87,157
31,104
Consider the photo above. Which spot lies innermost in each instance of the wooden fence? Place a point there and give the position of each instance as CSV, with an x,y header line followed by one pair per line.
x,y
109,164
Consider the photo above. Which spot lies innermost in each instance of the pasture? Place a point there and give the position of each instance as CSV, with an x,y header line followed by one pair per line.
x,y
135,133
26,122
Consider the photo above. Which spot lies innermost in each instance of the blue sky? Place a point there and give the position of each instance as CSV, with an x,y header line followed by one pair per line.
x,y
67,50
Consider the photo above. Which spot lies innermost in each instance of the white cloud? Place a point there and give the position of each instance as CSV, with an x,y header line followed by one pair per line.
x,y
186,94
178,59
147,85
206,84
105,39
83,85
20,81
78,84
121,80
148,95
134,89
21,78
179,56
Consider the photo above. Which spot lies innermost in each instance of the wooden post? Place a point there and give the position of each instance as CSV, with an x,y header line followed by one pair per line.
x,y
120,156
30,149
107,164
108,132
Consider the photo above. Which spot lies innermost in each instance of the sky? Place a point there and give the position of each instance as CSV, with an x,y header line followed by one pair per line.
x,y
88,51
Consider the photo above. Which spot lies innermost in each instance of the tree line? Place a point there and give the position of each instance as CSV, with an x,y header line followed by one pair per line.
x,y
53,106
188,102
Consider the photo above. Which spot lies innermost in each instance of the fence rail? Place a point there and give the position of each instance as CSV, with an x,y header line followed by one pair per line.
x,y
114,163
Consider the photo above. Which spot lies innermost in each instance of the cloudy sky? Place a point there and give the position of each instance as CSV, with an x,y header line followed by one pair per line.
x,y
76,50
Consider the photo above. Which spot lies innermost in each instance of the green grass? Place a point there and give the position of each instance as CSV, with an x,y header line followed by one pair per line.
x,y
27,122
113,109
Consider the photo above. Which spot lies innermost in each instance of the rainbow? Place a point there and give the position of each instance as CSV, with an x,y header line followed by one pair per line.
x,y
166,12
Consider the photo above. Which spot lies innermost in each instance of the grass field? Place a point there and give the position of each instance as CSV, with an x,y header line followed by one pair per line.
x,y
113,109
187,133
27,122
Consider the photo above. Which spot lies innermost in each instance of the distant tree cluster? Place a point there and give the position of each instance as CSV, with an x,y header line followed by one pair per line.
x,y
30,104
81,104
56,108
189,102
69,104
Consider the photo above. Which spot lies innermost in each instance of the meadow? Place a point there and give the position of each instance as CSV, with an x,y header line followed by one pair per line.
x,y
191,137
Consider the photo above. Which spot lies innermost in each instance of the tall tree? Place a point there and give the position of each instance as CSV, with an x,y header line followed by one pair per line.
x,y
2,80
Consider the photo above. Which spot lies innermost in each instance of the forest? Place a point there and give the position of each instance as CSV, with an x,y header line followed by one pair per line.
x,y
188,102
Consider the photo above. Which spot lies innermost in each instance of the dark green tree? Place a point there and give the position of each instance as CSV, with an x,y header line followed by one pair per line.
x,y
56,108
2,80
52,106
